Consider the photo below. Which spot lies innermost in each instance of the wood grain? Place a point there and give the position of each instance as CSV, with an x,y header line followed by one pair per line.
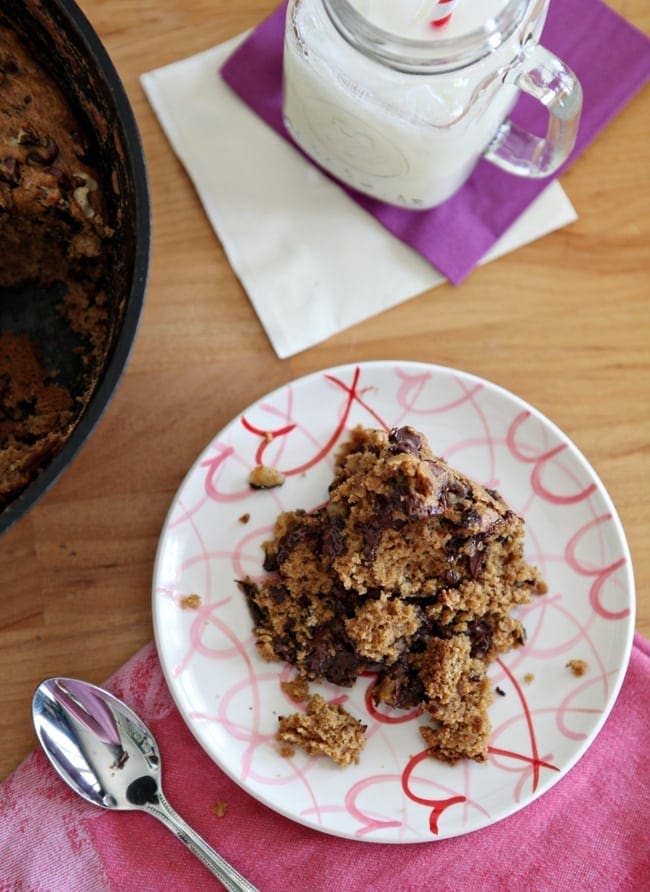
x,y
563,322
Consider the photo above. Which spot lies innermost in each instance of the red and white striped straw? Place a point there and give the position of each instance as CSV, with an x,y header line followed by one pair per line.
x,y
442,12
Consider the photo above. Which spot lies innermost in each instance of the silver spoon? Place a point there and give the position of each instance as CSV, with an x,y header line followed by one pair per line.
x,y
108,755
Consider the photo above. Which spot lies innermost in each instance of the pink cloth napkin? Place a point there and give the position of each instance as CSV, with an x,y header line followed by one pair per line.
x,y
588,832
611,59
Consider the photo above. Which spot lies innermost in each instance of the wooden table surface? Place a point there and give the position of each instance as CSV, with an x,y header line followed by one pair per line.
x,y
564,323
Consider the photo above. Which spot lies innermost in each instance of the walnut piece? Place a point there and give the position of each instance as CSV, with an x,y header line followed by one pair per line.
x,y
265,477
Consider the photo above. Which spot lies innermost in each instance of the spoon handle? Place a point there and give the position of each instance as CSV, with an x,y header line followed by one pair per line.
x,y
225,872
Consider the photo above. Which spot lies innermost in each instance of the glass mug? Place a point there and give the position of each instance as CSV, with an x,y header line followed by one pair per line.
x,y
406,120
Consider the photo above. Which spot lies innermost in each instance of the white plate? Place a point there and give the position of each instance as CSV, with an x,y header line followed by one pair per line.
x,y
230,698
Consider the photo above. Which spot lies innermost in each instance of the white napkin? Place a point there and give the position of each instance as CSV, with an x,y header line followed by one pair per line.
x,y
310,259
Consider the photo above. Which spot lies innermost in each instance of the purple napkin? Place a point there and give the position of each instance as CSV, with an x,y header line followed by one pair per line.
x,y
611,59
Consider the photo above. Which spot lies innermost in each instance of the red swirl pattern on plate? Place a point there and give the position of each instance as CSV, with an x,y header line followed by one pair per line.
x,y
230,698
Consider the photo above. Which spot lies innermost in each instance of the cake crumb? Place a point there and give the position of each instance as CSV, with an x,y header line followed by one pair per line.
x,y
325,729
265,477
287,751
244,518
529,678
297,689
220,809
578,667
190,602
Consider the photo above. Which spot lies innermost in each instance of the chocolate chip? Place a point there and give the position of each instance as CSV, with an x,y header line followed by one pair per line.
x,y
250,592
247,587
63,178
454,545
452,493
458,489
296,535
270,563
345,602
371,539
401,498
400,686
44,155
28,137
477,564
50,150
500,692
481,635
7,67
285,650
452,576
343,669
405,439
9,171
278,594
332,656
476,556
471,518
333,539
80,146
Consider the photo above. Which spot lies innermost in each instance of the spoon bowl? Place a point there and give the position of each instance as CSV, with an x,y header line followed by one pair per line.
x,y
106,753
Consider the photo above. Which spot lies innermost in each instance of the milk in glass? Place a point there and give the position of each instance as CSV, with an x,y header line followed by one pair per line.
x,y
410,138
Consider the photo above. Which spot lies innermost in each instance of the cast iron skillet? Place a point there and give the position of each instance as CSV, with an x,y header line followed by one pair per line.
x,y
61,38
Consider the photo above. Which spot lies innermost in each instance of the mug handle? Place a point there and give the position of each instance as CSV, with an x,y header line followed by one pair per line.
x,y
547,79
